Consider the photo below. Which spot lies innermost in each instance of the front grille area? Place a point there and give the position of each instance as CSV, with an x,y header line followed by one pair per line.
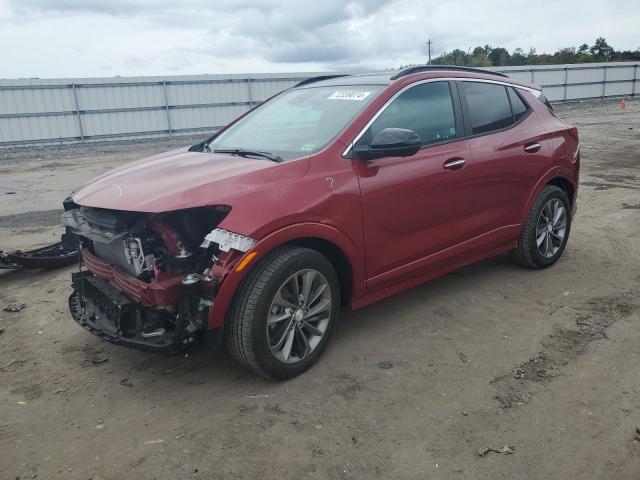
x,y
102,309
160,294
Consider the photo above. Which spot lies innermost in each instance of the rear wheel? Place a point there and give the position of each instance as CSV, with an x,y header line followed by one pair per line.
x,y
546,232
284,313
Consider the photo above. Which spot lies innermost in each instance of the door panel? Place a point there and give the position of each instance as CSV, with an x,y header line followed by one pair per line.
x,y
509,155
505,174
414,207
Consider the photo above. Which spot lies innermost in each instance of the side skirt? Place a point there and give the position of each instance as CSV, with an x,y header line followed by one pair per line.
x,y
420,279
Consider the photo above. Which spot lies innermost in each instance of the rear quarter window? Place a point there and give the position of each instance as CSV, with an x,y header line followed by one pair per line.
x,y
519,107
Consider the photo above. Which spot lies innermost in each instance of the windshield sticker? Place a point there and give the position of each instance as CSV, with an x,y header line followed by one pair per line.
x,y
349,95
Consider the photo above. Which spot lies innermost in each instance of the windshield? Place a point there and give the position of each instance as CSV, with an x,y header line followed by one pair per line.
x,y
297,122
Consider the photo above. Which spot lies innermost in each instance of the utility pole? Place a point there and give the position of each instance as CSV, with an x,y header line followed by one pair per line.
x,y
429,42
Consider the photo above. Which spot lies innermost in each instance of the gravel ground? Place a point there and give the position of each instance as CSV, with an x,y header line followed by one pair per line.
x,y
540,366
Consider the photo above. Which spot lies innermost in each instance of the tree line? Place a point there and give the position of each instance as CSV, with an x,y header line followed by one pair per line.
x,y
489,56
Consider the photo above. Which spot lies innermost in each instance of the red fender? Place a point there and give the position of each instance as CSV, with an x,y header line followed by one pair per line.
x,y
231,282
554,172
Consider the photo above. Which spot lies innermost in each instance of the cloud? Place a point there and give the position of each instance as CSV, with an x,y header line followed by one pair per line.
x,y
155,37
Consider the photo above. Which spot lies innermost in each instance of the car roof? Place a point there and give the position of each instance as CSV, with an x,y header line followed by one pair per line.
x,y
412,73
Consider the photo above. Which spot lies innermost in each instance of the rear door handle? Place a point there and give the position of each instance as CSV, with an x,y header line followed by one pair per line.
x,y
532,148
454,164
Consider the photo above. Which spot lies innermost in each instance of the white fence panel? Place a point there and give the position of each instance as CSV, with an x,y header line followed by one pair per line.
x,y
70,110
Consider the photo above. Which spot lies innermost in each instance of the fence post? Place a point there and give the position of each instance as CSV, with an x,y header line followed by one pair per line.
x,y
533,75
75,102
166,105
604,82
566,82
249,93
635,79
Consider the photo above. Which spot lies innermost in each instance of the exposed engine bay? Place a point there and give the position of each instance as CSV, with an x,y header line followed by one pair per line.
x,y
146,280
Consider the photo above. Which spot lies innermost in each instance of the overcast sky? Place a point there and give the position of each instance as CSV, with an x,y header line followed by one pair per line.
x,y
78,38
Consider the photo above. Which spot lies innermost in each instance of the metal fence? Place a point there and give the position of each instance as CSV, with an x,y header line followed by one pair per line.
x,y
61,111
563,83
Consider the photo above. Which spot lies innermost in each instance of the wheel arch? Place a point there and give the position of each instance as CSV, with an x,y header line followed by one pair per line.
x,y
338,259
329,241
565,185
555,176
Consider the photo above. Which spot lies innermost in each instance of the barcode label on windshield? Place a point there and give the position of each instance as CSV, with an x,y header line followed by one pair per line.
x,y
349,95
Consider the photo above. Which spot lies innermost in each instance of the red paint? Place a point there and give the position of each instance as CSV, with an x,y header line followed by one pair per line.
x,y
398,221
169,236
161,293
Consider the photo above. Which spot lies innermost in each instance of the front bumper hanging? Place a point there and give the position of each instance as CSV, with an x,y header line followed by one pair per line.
x,y
105,311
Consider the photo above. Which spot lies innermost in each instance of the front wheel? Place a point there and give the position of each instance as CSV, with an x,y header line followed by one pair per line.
x,y
284,313
546,232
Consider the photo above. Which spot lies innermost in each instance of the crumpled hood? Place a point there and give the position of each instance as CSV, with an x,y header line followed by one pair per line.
x,y
181,179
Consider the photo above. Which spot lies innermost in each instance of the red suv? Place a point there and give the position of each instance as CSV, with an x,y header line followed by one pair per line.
x,y
343,190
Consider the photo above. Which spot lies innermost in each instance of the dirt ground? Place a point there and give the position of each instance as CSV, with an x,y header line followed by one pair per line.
x,y
539,365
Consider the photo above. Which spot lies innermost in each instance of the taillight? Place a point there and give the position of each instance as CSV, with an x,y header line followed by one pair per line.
x,y
573,131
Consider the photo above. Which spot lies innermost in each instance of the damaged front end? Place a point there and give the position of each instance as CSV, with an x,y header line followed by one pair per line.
x,y
149,280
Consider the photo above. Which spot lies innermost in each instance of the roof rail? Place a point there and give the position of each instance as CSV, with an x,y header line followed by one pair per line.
x,y
318,79
431,68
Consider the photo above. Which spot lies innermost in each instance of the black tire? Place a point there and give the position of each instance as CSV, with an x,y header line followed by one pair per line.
x,y
246,329
527,252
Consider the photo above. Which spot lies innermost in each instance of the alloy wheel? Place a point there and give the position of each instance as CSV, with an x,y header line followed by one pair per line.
x,y
299,316
551,228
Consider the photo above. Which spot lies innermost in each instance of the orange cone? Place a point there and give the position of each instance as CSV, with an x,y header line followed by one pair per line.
x,y
623,104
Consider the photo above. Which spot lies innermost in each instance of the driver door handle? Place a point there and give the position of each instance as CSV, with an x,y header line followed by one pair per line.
x,y
454,164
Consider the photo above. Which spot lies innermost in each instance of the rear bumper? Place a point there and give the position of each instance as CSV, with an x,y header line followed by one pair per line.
x,y
114,316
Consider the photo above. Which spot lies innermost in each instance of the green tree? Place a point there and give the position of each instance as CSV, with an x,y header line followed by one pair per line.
x,y
601,49
499,56
565,55
518,57
486,56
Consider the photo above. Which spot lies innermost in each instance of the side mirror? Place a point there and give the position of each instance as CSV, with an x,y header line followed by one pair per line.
x,y
391,142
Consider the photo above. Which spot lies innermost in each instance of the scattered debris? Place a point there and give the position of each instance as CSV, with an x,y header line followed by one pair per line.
x,y
53,256
20,402
257,396
556,309
372,452
1,331
170,371
61,389
626,206
385,364
637,435
462,356
15,307
178,437
505,450
97,359
126,382
317,451
13,362
151,442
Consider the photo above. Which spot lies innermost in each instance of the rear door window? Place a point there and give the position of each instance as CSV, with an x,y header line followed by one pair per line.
x,y
427,109
489,106
518,106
